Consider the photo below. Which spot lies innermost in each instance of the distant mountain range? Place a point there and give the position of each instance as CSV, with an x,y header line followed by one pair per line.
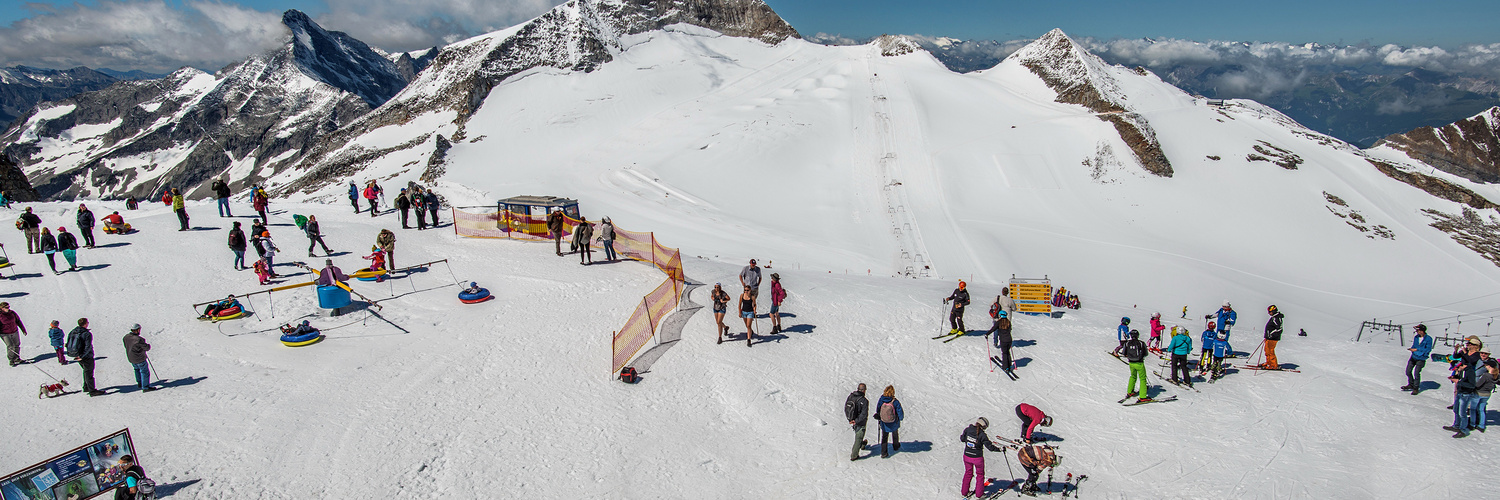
x,y
1359,102
23,87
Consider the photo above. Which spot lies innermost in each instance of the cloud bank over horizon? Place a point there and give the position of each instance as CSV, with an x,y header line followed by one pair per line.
x,y
158,36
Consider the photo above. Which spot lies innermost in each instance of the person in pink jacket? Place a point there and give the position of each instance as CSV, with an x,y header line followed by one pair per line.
x,y
1156,329
778,294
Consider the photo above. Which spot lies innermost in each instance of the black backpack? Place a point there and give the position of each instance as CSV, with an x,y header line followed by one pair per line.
x,y
851,406
75,344
145,488
628,375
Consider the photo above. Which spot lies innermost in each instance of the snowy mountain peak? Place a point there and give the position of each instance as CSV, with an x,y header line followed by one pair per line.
x,y
1078,76
896,45
341,61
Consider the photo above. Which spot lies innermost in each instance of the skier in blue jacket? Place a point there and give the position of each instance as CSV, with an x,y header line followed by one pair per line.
x,y
1221,351
1421,347
1123,334
1181,346
1209,334
1225,318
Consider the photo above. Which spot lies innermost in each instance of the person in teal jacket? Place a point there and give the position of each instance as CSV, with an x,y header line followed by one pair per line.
x,y
1181,346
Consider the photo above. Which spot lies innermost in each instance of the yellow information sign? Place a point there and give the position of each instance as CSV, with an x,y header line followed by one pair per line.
x,y
1032,296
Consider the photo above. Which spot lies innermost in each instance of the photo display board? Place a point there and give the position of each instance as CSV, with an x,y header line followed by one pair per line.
x,y
81,473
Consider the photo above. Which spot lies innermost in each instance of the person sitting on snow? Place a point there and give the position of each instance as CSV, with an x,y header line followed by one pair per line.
x,y
473,287
114,222
331,274
215,308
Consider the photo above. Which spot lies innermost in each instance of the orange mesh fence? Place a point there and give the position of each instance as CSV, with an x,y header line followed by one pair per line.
x,y
654,306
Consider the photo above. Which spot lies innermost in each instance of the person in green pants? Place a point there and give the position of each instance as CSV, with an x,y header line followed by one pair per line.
x,y
1135,355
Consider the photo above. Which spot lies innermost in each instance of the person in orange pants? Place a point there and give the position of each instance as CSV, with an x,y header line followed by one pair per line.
x,y
1273,335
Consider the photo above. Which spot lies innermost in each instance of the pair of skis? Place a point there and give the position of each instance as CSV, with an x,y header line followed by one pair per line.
x,y
1139,402
1178,384
1254,367
1010,371
949,337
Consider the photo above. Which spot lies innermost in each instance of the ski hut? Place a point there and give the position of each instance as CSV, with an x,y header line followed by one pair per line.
x,y
528,214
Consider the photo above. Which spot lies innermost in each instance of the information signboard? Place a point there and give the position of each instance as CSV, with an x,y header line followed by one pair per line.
x,y
1032,296
81,473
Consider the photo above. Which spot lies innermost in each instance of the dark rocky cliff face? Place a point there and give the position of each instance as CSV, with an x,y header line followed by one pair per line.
x,y
341,61
1469,148
22,88
14,184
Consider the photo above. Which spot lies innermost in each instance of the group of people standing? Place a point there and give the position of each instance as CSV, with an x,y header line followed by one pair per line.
x,y
40,239
1472,371
424,200
583,236
750,278
78,344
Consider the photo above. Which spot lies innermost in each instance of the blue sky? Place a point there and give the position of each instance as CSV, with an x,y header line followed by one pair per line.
x,y
162,35
1405,22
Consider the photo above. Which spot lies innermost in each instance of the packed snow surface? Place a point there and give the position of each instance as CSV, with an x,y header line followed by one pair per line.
x,y
512,398
842,169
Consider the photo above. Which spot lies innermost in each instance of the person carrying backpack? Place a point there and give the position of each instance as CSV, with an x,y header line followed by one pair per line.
x,y
975,441
857,410
372,195
136,485
888,410
261,202
237,245
49,247
30,224
135,353
314,236
1135,356
1122,333
778,294
86,225
960,298
81,347
1003,339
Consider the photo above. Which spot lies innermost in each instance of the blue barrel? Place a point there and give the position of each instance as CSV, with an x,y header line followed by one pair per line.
x,y
332,297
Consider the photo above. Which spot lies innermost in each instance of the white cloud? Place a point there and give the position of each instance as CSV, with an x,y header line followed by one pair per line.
x,y
139,34
403,25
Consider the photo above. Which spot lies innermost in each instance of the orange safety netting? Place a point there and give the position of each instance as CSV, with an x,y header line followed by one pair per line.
x,y
654,306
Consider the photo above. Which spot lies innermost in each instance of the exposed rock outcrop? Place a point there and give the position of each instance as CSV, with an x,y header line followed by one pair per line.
x,y
1434,186
1081,78
13,182
1468,148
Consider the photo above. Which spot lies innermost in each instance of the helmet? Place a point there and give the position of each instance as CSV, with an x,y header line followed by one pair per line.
x,y
962,285
1211,325
304,323
1125,320
1226,302
1271,309
473,283
1003,314
1135,334
1158,315
983,423
1046,421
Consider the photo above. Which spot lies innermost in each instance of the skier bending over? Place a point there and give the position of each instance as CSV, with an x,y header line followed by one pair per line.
x,y
1030,418
1035,458
974,444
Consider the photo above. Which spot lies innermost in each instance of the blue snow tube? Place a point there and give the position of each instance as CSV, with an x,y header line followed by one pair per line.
x,y
474,298
305,339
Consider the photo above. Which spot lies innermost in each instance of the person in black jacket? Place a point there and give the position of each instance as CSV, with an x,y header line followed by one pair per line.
x,y
960,298
403,203
221,193
86,225
1273,335
48,246
314,237
1466,384
1135,356
430,199
857,410
975,441
237,245
129,489
68,245
1003,340
81,345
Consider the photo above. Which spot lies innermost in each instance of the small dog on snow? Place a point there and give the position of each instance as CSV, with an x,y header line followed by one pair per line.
x,y
52,390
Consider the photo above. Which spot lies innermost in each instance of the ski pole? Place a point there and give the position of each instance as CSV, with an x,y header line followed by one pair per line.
x,y
1008,470
1067,481
153,370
